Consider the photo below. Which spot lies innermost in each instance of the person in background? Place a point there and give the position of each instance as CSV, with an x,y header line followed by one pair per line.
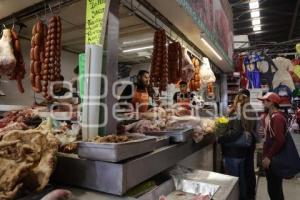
x,y
183,97
275,128
250,124
235,156
74,79
139,95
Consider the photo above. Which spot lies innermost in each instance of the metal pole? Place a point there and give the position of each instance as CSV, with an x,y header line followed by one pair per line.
x,y
113,27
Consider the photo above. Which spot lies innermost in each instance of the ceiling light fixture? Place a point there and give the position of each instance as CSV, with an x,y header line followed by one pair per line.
x,y
137,49
255,22
253,4
137,41
212,49
255,14
257,28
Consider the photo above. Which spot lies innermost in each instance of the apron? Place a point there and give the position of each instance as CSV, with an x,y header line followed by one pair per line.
x,y
140,100
184,101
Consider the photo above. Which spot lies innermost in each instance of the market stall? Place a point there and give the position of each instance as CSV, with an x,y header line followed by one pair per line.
x,y
79,133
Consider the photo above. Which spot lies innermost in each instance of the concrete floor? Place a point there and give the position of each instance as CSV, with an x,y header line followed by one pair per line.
x,y
291,189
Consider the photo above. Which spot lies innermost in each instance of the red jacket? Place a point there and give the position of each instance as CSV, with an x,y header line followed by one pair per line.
x,y
275,134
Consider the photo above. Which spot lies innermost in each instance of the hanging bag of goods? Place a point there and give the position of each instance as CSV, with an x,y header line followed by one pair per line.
x,y
159,66
174,62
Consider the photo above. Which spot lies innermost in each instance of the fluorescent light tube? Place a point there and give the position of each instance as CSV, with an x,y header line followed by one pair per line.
x,y
137,49
137,41
257,28
255,22
255,14
212,49
253,5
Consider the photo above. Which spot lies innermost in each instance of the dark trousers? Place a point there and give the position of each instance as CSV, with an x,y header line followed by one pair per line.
x,y
274,186
250,173
236,167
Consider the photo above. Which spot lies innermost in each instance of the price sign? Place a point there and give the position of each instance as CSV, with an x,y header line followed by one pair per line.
x,y
96,13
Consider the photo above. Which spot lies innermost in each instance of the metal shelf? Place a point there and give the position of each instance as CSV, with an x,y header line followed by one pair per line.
x,y
233,84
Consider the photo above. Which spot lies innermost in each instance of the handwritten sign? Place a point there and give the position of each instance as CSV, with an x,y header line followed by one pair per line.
x,y
95,17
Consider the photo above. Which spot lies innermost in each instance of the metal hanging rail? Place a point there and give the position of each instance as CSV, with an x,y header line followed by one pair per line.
x,y
145,11
38,9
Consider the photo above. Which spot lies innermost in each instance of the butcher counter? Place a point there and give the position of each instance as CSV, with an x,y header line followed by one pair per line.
x,y
118,178
88,179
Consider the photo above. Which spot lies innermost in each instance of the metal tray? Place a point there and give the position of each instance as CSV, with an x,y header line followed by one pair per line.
x,y
162,141
176,135
115,152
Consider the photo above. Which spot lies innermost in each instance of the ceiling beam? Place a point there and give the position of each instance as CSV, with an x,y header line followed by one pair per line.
x,y
262,26
281,30
248,20
294,19
264,18
36,9
238,14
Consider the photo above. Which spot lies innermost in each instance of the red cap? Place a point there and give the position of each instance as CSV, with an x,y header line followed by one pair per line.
x,y
271,96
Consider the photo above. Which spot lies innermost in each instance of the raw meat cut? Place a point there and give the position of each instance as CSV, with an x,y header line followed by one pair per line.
x,y
142,126
7,58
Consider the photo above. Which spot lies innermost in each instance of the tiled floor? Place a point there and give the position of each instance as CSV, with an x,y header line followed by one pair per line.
x,y
291,189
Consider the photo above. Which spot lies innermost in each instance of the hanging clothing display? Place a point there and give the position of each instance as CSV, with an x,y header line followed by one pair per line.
x,y
253,75
266,74
282,76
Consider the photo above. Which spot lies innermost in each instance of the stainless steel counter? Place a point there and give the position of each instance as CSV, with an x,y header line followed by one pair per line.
x,y
117,178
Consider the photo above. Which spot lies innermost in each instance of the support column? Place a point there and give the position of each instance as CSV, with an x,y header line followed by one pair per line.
x,y
112,44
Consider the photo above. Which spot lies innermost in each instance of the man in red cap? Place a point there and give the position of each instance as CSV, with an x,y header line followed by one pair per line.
x,y
275,129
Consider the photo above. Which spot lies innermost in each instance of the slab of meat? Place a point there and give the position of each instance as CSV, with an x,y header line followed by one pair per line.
x,y
188,70
142,126
12,126
27,158
7,58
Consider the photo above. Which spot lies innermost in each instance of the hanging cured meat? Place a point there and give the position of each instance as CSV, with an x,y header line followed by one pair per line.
x,y
19,71
45,66
159,66
188,70
195,82
11,58
7,58
36,56
174,62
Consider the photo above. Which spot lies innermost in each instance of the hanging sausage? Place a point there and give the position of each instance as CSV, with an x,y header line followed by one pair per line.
x,y
35,56
174,62
159,66
46,66
19,71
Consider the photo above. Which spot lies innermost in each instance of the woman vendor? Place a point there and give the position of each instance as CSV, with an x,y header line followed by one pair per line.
x,y
141,94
